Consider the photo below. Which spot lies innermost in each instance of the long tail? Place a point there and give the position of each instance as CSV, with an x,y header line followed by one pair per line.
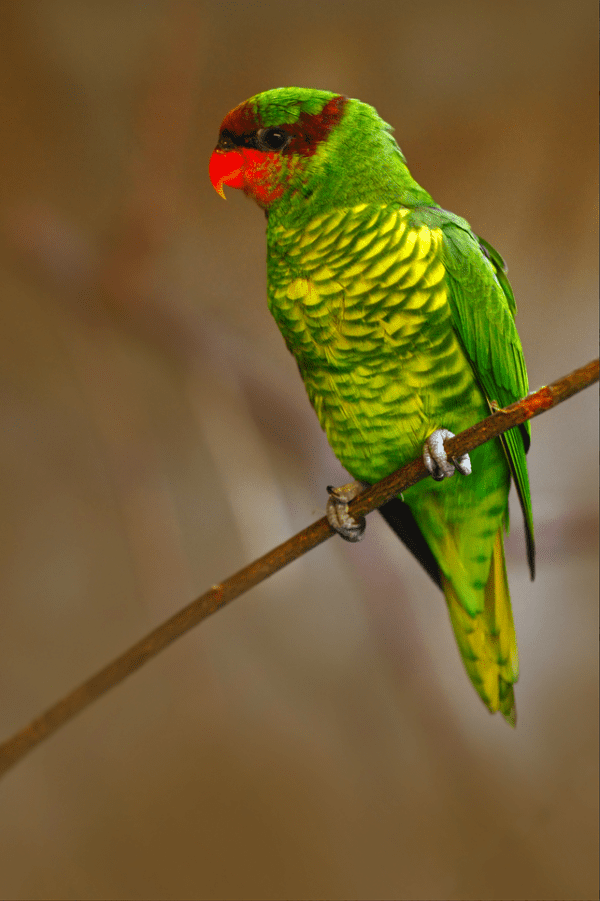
x,y
487,641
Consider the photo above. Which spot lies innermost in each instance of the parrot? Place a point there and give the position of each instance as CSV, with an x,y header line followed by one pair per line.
x,y
401,322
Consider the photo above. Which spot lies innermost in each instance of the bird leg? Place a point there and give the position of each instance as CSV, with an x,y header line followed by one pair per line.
x,y
338,515
436,460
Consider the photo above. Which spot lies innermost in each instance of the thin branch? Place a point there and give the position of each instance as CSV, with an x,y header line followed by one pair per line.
x,y
14,748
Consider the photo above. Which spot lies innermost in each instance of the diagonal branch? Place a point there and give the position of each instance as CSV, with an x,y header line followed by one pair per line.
x,y
14,748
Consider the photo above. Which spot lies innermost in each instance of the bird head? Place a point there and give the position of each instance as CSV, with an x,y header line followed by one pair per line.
x,y
272,144
299,151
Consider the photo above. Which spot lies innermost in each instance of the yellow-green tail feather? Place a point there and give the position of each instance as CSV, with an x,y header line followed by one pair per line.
x,y
487,641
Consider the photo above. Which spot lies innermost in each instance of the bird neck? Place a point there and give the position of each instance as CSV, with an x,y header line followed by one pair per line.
x,y
360,162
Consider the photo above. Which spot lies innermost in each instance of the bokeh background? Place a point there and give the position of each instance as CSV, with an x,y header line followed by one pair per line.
x,y
317,738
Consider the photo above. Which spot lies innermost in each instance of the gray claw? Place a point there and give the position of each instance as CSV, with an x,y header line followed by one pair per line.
x,y
436,459
338,515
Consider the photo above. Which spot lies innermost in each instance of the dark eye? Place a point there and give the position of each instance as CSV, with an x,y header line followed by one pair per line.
x,y
272,138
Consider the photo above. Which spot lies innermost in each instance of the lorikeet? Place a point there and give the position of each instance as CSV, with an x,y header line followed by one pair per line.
x,y
401,321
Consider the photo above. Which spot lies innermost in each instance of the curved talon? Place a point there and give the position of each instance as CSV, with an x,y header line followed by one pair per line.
x,y
338,516
436,459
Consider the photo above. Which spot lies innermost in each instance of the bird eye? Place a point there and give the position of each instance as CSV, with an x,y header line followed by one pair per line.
x,y
272,138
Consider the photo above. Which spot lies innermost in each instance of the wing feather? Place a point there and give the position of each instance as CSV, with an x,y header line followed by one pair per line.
x,y
483,310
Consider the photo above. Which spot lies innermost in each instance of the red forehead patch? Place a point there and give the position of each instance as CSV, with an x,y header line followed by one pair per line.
x,y
306,133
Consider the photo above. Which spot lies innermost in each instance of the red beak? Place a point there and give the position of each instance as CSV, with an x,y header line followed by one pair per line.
x,y
225,168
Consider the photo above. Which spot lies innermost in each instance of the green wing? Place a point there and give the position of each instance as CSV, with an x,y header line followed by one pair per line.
x,y
483,309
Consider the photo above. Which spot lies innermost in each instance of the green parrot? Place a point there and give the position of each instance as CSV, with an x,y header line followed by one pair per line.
x,y
401,321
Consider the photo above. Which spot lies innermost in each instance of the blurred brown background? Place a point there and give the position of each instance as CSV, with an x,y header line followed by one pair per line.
x,y
318,738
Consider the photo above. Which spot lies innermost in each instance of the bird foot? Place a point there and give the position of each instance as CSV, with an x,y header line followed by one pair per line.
x,y
338,515
436,459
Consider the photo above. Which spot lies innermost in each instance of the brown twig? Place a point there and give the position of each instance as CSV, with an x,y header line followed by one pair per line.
x,y
14,748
